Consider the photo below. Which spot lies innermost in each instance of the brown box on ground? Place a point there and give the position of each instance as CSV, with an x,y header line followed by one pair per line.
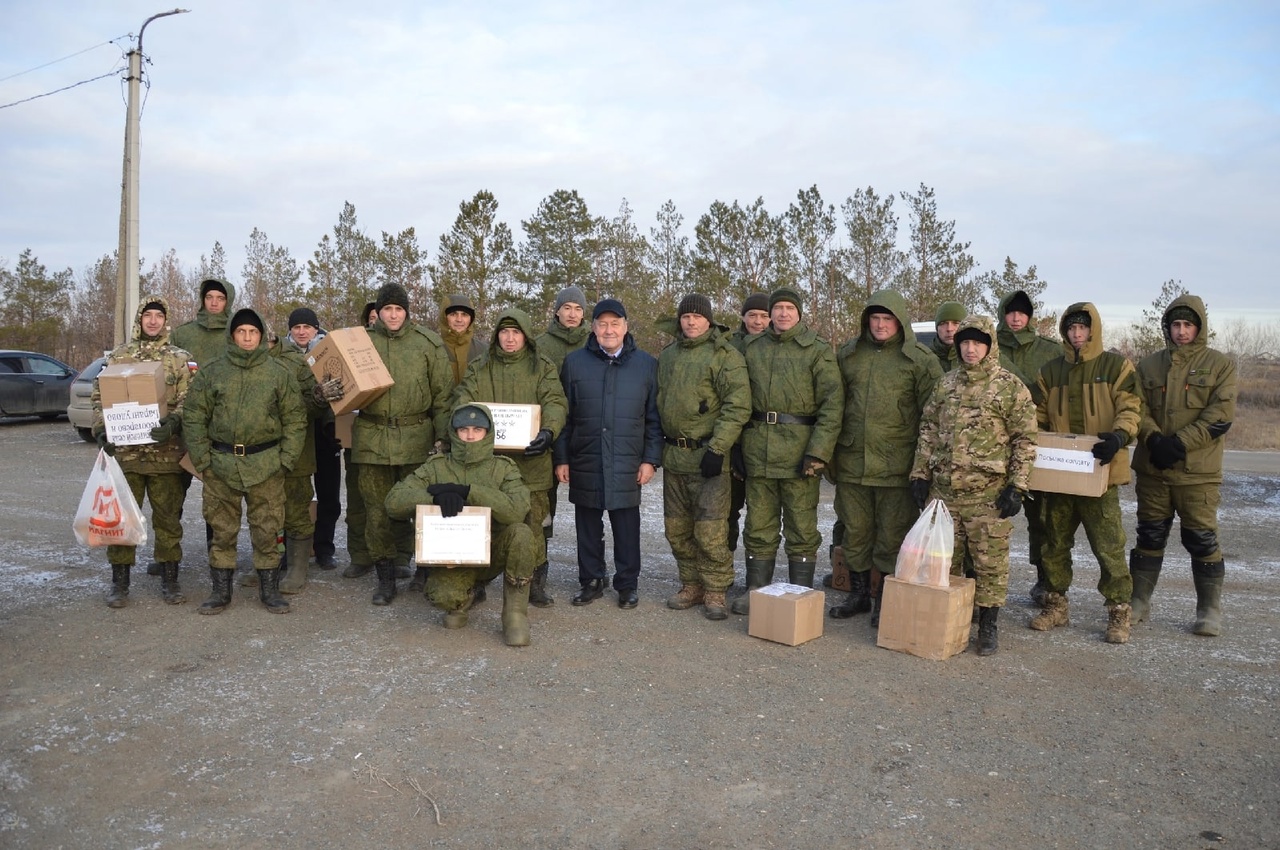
x,y
786,613
343,424
839,570
514,425
348,353
931,622
1065,464
459,541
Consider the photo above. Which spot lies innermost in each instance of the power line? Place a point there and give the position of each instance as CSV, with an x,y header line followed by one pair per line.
x,y
63,59
111,73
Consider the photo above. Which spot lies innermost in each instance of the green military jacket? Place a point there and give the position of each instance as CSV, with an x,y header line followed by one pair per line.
x,y
703,395
1023,352
522,377
245,398
792,373
556,343
399,427
978,429
155,458
293,356
1190,391
886,386
205,337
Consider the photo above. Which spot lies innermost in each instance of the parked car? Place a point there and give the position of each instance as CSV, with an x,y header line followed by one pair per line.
x,y
80,411
34,384
925,332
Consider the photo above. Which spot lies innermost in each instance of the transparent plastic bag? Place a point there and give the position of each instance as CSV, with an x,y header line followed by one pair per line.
x,y
925,556
108,513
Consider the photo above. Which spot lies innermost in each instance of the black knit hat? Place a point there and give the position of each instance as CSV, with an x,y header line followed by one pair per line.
x,y
755,301
974,334
789,295
212,283
392,293
1184,313
245,316
695,303
1079,317
158,305
370,307
1019,303
305,316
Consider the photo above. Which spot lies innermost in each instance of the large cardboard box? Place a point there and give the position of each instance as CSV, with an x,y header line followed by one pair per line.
x,y
514,425
133,401
1065,464
786,613
459,541
919,619
348,353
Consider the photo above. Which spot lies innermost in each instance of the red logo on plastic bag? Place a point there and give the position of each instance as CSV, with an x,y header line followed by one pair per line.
x,y
106,508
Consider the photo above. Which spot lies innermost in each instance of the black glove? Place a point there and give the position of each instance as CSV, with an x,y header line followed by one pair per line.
x,y
712,464
1009,502
1104,451
1165,451
541,444
327,391
737,463
105,444
1217,429
451,498
811,466
920,492
169,427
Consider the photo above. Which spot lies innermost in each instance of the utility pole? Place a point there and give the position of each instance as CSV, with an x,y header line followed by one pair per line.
x,y
127,257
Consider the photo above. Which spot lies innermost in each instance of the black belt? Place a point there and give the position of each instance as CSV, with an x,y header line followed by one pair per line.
x,y
773,417
685,442
395,421
241,450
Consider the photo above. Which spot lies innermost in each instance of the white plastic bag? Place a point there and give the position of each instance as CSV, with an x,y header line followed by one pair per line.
x,y
108,514
925,556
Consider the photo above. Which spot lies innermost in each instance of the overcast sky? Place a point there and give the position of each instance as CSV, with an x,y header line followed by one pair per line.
x,y
1112,145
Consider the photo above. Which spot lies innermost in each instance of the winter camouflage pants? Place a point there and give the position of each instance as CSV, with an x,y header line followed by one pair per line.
x,y
1100,516
166,492
695,513
1197,508
357,548
982,541
386,538
875,519
297,506
539,510
1033,507
265,509
778,507
512,552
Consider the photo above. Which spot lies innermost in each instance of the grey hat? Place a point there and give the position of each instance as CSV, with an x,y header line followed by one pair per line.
x,y
471,415
571,295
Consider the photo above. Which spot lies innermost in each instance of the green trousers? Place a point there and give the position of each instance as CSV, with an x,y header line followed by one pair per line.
x,y
696,519
512,553
264,505
779,508
1100,516
167,491
875,520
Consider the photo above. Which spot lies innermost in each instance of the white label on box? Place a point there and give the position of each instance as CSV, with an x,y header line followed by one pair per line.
x,y
512,425
461,539
1065,460
130,423
781,588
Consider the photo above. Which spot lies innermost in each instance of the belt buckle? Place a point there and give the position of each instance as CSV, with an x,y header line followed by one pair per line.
x,y
771,417
238,450
683,443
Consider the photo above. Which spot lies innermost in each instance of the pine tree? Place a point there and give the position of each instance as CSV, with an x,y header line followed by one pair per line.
x,y
476,258
558,250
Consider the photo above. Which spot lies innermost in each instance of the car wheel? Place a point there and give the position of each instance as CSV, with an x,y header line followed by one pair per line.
x,y
86,434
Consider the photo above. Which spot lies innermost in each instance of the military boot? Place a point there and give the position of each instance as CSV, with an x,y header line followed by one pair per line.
x,y
297,554
713,604
1118,623
155,568
169,589
386,591
269,591
689,595
800,570
419,583
457,618
538,589
1145,570
1040,589
1208,581
220,597
876,590
515,614
859,601
759,574
1055,613
987,630
355,570
118,595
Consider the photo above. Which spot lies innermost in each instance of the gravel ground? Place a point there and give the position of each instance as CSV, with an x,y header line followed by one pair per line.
x,y
343,725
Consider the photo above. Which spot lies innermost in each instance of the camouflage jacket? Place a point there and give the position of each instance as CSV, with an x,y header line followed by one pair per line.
x,y
151,457
292,355
556,343
703,394
416,359
205,337
978,430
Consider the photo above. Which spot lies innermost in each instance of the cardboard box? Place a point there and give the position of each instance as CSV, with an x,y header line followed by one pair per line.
x,y
786,613
459,541
1065,464
840,570
514,425
343,424
348,353
188,466
930,622
133,401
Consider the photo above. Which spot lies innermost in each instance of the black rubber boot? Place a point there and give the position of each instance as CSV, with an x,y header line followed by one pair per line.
x,y
155,568
538,589
419,582
169,589
118,595
859,601
269,591
1208,581
386,582
1145,570
220,597
877,588
759,574
800,570
987,630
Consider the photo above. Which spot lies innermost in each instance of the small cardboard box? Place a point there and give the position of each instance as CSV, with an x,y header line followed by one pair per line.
x,y
1065,464
840,570
343,425
348,353
188,466
133,401
786,613
930,622
459,541
514,425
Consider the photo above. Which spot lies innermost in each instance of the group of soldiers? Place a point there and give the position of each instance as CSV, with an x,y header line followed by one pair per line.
x,y
755,418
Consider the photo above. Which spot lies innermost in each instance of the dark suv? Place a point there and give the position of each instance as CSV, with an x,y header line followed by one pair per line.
x,y
34,384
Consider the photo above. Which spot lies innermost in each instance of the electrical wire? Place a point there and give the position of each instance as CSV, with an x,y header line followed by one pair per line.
x,y
64,58
110,73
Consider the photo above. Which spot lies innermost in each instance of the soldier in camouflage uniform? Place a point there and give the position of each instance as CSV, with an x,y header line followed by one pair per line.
x,y
975,453
152,469
471,475
245,426
945,324
1190,393
704,399
887,377
458,330
357,548
796,400
1087,390
514,372
567,332
755,319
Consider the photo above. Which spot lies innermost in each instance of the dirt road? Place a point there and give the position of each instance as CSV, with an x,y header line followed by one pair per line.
x,y
342,725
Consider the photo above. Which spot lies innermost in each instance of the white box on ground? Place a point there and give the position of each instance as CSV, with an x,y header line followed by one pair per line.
x,y
459,541
130,423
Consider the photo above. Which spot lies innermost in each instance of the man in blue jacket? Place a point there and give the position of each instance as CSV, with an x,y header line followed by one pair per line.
x,y
609,449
